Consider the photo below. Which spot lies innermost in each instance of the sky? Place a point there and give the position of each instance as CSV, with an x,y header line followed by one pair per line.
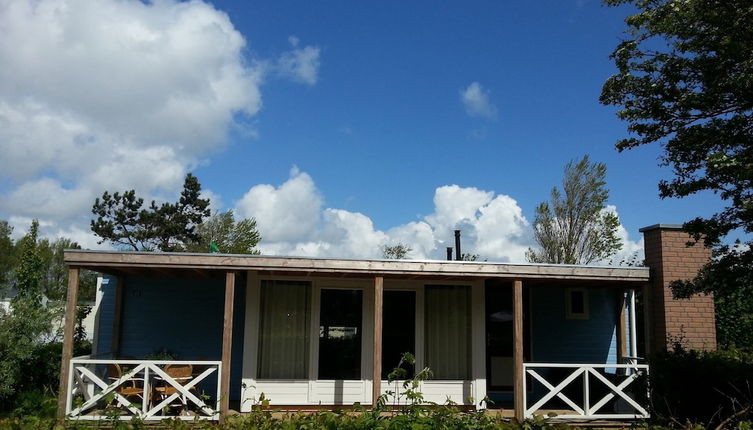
x,y
341,127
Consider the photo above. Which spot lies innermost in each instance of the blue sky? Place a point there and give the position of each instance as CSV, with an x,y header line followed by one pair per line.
x,y
365,110
383,126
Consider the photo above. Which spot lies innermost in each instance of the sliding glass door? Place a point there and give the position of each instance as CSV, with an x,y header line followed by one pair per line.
x,y
398,330
340,334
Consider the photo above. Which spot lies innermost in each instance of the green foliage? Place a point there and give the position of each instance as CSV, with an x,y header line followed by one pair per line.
x,y
7,252
575,228
55,278
166,227
29,273
440,418
470,257
29,352
684,81
397,251
24,328
227,234
701,387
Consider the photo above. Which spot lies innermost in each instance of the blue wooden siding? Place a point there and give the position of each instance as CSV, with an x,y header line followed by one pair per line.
x,y
182,316
556,339
103,328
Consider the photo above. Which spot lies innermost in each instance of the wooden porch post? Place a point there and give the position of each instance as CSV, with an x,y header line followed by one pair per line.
x,y
648,319
227,344
622,334
517,313
70,325
117,317
376,387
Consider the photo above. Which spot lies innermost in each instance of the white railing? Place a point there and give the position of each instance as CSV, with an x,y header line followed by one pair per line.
x,y
144,390
589,378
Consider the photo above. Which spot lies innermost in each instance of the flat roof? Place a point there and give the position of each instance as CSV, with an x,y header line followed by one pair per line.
x,y
124,260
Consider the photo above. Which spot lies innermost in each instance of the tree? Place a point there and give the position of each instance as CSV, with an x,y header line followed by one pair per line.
x,y
470,257
397,251
685,81
6,252
576,228
23,329
227,235
166,227
55,272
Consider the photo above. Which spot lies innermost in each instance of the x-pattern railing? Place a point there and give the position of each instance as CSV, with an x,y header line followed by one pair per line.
x,y
587,409
92,390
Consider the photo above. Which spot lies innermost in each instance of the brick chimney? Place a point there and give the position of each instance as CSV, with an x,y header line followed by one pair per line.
x,y
670,258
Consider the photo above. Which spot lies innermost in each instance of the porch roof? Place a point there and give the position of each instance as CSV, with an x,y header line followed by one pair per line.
x,y
125,262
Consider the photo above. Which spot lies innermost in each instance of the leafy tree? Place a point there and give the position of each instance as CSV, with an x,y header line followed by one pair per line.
x,y
574,227
6,252
397,251
24,328
470,257
227,235
166,227
55,279
685,82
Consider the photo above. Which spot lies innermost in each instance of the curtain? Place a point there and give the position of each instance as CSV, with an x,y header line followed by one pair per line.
x,y
448,331
284,330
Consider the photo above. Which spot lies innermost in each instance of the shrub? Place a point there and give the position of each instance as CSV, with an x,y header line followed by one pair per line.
x,y
711,388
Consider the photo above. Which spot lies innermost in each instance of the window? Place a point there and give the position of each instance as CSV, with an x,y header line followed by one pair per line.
x,y
576,303
448,331
340,334
398,330
284,330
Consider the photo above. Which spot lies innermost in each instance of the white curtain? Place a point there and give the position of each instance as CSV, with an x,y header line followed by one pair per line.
x,y
284,330
448,331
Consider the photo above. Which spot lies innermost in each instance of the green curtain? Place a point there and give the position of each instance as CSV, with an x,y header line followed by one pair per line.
x,y
284,330
448,331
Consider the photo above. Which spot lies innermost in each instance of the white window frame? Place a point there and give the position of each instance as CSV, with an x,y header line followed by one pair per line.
x,y
569,313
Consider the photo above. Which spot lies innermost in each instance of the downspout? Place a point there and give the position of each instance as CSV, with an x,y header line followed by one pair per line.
x,y
633,335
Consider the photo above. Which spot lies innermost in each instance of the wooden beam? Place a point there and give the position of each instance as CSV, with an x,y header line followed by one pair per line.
x,y
227,344
517,313
336,267
622,334
70,325
376,388
117,317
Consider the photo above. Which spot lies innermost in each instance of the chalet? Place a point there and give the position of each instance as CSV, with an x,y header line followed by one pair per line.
x,y
190,335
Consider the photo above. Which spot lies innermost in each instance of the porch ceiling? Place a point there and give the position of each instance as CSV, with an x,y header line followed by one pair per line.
x,y
214,265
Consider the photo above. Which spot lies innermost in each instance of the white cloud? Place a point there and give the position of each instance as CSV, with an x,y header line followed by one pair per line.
x,y
476,101
300,64
118,94
631,252
285,213
46,198
293,221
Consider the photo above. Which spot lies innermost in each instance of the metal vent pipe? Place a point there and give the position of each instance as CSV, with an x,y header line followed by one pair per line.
x,y
458,255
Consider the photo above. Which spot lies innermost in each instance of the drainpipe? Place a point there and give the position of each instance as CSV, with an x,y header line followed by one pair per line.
x,y
458,255
633,336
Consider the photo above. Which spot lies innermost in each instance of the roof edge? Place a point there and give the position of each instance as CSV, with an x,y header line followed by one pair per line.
x,y
89,259
661,226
